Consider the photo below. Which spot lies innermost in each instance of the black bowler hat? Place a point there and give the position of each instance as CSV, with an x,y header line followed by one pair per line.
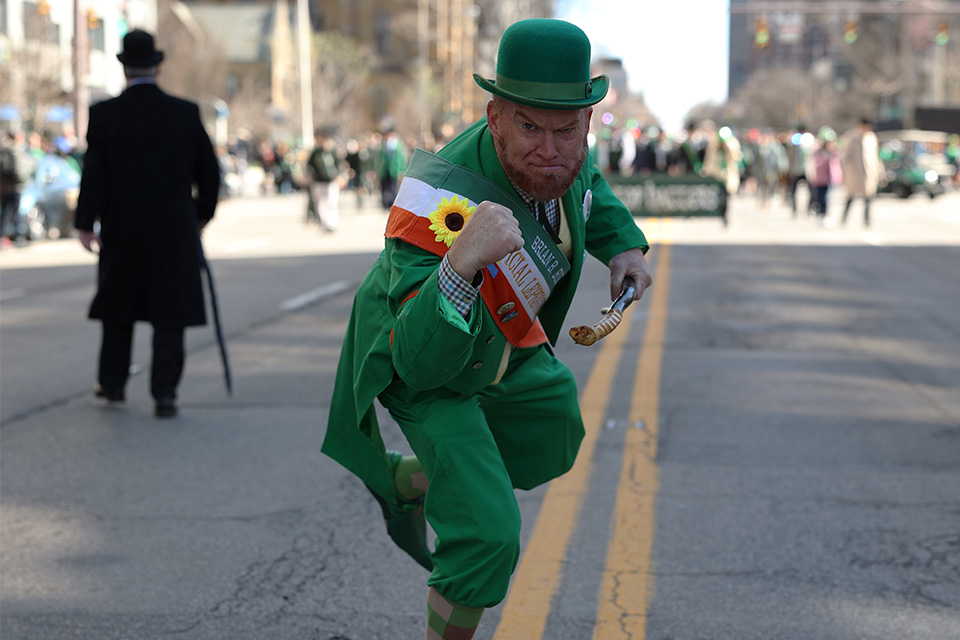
x,y
138,50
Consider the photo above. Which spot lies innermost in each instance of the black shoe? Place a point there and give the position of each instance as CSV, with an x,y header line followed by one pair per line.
x,y
166,407
406,524
111,395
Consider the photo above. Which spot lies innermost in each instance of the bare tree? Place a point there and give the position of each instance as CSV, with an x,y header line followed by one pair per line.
x,y
341,72
783,98
633,105
250,106
776,98
863,76
194,66
706,111
31,80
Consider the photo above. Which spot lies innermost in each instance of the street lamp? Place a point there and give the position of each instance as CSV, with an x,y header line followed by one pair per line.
x,y
81,97
306,82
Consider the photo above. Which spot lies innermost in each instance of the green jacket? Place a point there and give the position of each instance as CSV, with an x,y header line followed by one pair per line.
x,y
423,339
391,163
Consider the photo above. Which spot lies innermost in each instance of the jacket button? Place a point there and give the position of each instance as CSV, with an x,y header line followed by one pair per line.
x,y
477,365
490,339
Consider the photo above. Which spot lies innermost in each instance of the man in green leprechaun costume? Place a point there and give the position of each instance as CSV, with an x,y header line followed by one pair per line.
x,y
451,329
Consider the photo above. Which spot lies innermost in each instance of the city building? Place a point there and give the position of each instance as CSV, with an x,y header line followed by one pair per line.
x,y
39,57
402,63
892,57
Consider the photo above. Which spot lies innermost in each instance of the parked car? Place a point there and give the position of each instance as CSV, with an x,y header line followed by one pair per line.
x,y
915,162
49,201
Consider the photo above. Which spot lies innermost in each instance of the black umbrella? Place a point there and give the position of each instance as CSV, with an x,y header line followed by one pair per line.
x,y
216,318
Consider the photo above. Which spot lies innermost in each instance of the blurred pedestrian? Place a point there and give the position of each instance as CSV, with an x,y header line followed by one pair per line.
x,y
771,162
823,171
323,168
283,163
357,158
230,185
267,158
146,152
391,163
16,167
798,147
64,148
953,155
657,152
862,168
628,154
36,146
722,157
479,394
687,157
749,152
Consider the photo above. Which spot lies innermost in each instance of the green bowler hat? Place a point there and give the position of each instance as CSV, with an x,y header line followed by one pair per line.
x,y
545,63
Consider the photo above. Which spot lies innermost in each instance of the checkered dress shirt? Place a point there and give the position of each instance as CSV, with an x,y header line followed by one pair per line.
x,y
459,291
550,207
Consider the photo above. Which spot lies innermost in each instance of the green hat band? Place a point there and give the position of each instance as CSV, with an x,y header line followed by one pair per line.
x,y
546,90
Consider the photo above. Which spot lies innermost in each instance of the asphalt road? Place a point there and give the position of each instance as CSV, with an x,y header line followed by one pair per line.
x,y
774,447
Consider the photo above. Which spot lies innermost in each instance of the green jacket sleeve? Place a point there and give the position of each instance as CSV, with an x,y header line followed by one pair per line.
x,y
431,343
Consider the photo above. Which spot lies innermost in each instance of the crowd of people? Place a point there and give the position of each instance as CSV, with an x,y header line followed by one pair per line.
x,y
765,162
20,154
366,166
369,167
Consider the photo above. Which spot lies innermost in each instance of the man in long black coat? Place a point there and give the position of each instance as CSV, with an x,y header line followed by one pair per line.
x,y
146,152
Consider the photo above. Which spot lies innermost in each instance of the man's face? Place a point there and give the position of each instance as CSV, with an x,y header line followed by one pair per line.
x,y
541,150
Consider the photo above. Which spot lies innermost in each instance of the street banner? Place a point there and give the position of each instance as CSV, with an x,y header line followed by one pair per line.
x,y
667,196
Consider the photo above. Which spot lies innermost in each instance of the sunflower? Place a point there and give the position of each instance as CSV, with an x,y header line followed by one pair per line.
x,y
449,218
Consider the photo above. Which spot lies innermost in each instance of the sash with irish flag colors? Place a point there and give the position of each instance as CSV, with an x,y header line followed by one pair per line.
x,y
436,199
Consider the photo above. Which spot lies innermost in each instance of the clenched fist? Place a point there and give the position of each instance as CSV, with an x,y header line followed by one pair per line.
x,y
490,234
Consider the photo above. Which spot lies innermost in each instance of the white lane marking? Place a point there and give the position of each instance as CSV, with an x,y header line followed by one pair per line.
x,y
10,294
304,299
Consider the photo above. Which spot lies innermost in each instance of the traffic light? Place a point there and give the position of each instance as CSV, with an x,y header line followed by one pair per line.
x,y
43,8
93,20
761,37
943,36
850,31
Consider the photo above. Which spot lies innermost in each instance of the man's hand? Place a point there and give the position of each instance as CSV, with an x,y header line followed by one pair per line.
x,y
630,263
491,233
88,239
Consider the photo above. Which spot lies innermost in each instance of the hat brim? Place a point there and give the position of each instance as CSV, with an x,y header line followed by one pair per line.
x,y
599,92
141,62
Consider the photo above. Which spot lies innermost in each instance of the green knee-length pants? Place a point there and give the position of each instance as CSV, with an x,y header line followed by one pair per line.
x,y
475,450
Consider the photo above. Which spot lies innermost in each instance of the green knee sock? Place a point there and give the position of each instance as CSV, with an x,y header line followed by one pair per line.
x,y
450,621
409,478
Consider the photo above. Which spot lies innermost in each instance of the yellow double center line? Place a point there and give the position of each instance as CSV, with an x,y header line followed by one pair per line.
x,y
625,589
